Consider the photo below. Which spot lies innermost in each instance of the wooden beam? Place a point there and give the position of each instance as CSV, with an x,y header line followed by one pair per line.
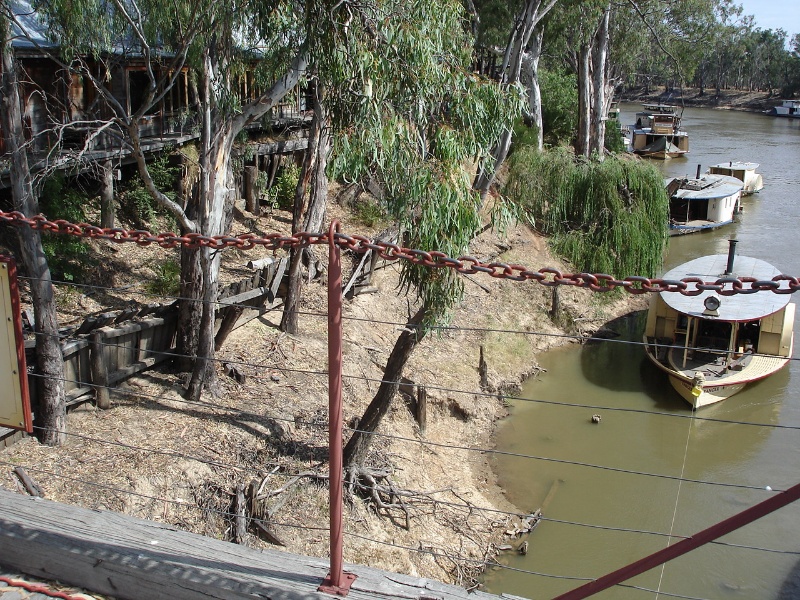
x,y
129,558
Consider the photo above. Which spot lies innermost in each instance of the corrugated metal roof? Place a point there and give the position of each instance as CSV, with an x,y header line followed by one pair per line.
x,y
31,32
709,187
739,307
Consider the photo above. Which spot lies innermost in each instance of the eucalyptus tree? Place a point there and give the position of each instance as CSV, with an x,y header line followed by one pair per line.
x,y
220,42
522,49
49,360
408,114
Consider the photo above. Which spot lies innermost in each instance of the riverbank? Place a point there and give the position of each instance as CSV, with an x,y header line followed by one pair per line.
x,y
726,100
155,456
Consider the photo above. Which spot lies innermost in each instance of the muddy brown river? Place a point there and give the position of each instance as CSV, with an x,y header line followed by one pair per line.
x,y
615,490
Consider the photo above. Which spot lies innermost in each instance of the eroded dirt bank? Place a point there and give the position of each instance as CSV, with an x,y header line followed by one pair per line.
x,y
155,456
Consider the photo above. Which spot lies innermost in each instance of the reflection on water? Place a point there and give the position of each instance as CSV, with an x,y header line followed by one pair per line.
x,y
624,471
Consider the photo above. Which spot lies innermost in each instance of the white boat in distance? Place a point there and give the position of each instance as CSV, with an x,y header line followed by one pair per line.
x,y
705,202
657,133
743,171
712,346
788,108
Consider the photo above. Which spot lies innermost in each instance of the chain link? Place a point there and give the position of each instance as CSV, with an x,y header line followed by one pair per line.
x,y
467,265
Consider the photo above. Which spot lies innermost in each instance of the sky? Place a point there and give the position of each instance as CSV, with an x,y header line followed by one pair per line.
x,y
774,14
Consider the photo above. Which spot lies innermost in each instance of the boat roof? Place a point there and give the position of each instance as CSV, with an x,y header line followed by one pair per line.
x,y
739,307
708,187
737,165
655,106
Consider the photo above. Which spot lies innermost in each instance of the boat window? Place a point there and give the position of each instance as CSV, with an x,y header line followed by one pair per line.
x,y
713,334
747,336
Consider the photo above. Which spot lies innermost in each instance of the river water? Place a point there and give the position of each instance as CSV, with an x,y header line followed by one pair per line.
x,y
599,519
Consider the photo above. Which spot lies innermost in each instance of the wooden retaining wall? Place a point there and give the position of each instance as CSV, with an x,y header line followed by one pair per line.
x,y
111,347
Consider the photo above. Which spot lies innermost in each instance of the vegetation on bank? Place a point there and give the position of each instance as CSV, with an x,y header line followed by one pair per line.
x,y
604,217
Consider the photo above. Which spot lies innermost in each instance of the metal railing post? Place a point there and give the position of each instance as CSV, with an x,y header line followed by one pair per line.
x,y
685,545
337,582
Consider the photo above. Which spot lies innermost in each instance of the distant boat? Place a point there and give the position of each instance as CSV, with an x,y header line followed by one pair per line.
x,y
705,202
712,346
744,172
787,108
657,133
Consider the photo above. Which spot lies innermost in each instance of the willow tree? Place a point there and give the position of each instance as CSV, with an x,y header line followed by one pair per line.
x,y
408,114
221,42
610,217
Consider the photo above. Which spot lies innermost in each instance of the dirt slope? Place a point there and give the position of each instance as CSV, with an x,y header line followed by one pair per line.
x,y
155,456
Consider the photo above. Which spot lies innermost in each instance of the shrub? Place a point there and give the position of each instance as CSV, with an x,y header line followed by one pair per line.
x,y
65,253
137,205
168,279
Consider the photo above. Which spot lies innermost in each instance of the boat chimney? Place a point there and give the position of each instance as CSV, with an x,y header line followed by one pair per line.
x,y
698,172
731,255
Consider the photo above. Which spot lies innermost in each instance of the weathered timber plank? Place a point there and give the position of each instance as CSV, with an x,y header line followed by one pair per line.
x,y
129,558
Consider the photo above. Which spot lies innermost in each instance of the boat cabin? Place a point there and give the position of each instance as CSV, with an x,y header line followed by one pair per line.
x,y
743,171
787,108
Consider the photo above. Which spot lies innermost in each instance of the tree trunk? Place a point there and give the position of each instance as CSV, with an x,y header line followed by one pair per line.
x,y
356,450
582,147
49,359
107,196
599,112
289,322
216,186
534,91
532,13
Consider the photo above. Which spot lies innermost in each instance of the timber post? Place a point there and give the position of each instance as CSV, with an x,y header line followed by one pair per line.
x,y
99,371
251,190
336,582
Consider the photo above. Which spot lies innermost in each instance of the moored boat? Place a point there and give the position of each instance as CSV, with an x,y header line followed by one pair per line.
x,y
657,133
787,108
711,346
743,171
702,203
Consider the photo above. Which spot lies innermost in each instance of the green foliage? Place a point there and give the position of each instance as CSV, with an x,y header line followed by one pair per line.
x,y
409,115
137,205
369,213
167,281
613,137
65,253
524,135
559,106
604,217
281,194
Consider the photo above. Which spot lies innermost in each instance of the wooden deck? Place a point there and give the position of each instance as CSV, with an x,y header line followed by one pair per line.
x,y
129,558
753,367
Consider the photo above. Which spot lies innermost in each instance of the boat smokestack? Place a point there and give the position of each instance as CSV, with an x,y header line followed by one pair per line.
x,y
731,255
698,172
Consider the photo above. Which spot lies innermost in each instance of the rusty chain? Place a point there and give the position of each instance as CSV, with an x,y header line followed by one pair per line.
x,y
468,265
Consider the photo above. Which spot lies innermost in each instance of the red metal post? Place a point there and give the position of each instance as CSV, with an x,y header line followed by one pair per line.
x,y
336,582
685,545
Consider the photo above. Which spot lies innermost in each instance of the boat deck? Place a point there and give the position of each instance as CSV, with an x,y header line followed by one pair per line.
x,y
717,367
681,227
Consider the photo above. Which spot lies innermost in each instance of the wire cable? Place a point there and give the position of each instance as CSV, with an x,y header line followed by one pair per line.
x,y
483,450
494,396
